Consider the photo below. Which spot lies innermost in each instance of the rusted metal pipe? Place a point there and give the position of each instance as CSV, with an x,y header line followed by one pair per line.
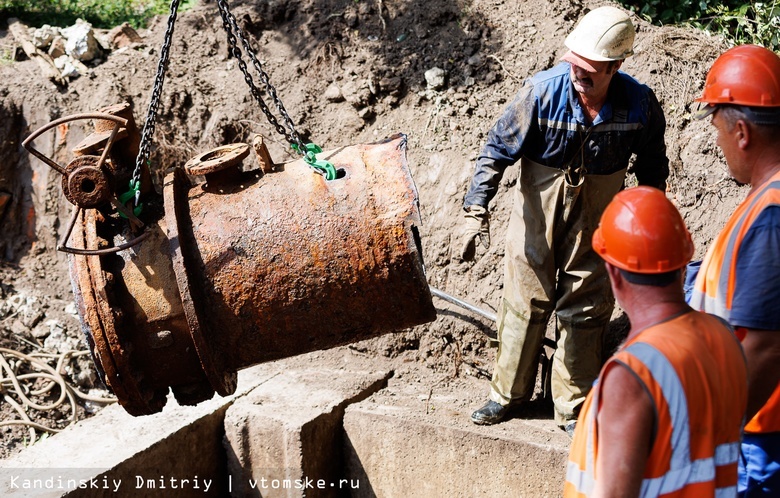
x,y
247,267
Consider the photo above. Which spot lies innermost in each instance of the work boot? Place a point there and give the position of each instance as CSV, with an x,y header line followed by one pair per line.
x,y
491,413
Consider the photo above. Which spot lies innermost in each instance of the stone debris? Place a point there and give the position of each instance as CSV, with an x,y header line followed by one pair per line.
x,y
333,93
65,64
123,36
57,47
43,36
435,78
62,52
80,41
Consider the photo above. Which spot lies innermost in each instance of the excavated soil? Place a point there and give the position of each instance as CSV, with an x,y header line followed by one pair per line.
x,y
348,72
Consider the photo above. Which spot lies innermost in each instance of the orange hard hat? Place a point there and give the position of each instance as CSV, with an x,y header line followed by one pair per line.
x,y
744,75
641,231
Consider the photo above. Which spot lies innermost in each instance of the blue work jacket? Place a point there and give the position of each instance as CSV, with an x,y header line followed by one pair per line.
x,y
546,124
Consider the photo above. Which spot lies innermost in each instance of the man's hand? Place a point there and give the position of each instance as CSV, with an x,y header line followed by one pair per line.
x,y
476,223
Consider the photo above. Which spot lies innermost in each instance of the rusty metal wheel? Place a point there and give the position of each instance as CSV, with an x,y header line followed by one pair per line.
x,y
86,181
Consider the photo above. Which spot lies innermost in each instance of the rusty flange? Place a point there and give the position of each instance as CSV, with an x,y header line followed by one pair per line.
x,y
217,159
85,184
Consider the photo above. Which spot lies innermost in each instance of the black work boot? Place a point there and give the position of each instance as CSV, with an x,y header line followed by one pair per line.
x,y
491,413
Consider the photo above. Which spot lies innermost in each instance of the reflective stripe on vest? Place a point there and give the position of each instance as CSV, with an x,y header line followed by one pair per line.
x,y
682,471
716,296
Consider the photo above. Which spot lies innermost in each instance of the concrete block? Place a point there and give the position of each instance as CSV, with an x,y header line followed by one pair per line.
x,y
177,452
284,438
404,443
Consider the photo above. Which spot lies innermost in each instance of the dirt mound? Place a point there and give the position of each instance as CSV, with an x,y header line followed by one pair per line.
x,y
348,72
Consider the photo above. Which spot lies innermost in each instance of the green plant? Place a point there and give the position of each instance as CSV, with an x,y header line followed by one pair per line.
x,y
737,21
756,23
676,11
100,13
6,56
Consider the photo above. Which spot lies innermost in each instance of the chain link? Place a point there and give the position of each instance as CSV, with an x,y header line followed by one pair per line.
x,y
233,30
154,102
234,34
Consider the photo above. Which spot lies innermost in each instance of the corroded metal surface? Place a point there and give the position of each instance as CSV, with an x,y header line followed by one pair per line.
x,y
86,185
245,268
176,188
217,159
290,262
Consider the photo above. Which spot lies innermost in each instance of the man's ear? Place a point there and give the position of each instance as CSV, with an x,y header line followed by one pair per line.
x,y
614,275
742,134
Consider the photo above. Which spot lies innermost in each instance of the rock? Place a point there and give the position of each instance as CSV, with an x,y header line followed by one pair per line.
x,y
41,331
333,93
356,93
58,341
43,36
391,85
123,36
474,60
71,309
81,43
66,66
435,78
57,47
373,85
366,114
19,329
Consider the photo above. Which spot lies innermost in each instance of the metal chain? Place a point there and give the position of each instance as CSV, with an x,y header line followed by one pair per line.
x,y
233,30
154,102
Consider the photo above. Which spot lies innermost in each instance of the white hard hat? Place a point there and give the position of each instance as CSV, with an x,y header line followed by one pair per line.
x,y
603,34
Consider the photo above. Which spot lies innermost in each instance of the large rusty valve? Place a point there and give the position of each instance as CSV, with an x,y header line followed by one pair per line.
x,y
240,265
87,181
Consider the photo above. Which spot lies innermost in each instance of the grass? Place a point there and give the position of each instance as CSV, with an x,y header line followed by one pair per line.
x,y
100,13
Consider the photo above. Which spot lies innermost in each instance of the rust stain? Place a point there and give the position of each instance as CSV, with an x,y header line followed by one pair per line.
x,y
62,133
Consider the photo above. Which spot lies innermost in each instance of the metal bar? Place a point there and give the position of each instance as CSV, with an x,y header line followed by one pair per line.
x,y
485,314
463,304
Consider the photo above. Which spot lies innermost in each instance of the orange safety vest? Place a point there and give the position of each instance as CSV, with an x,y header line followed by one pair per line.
x,y
693,368
714,288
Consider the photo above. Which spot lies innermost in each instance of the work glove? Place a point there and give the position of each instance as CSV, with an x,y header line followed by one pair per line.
x,y
476,223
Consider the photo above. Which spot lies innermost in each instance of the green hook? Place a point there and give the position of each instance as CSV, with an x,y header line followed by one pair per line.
x,y
309,157
133,193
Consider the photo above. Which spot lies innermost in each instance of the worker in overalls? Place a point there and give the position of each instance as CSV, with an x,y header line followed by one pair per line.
x,y
572,129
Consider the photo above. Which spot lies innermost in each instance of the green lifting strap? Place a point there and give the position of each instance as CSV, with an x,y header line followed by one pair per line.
x,y
320,165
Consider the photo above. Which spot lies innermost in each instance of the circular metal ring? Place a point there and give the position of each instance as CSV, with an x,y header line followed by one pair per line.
x,y
217,159
86,185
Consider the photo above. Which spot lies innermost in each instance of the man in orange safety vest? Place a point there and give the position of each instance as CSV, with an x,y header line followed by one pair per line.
x,y
739,279
665,414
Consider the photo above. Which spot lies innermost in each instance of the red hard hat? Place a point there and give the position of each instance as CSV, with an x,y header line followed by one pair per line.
x,y
744,75
641,231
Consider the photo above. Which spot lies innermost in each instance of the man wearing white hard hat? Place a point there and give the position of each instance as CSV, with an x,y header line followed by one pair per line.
x,y
572,130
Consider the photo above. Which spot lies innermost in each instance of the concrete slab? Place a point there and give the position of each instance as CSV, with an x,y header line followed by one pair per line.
x,y
180,452
416,440
177,452
284,438
330,423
